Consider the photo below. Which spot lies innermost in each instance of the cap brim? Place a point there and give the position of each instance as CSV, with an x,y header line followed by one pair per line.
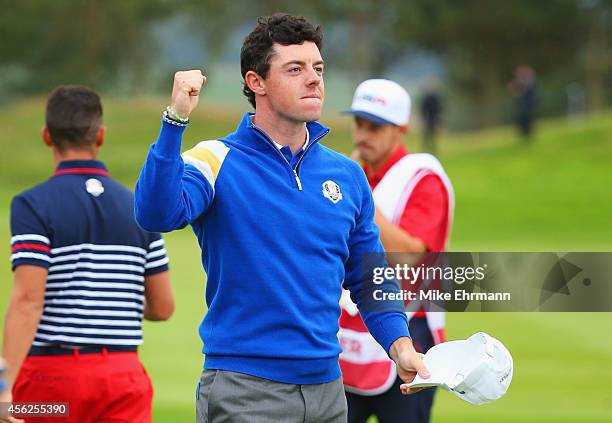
x,y
368,116
419,382
443,361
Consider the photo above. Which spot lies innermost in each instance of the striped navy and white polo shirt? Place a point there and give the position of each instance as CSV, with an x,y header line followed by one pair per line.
x,y
80,225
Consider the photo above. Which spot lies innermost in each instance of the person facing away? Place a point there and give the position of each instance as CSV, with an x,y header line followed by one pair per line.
x,y
414,207
283,223
85,275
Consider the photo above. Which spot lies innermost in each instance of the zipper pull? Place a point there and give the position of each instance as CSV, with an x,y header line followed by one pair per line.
x,y
297,179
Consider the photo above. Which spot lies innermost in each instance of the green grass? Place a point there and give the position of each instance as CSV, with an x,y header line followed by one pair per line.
x,y
553,194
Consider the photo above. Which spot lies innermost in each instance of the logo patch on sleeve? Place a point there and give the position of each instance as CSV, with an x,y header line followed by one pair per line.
x,y
331,191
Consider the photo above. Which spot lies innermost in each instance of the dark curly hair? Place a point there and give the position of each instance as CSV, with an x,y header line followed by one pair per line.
x,y
279,28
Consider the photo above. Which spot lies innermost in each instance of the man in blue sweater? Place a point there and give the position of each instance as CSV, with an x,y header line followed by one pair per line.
x,y
283,224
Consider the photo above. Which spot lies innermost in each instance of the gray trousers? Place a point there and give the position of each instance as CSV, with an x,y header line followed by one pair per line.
x,y
238,398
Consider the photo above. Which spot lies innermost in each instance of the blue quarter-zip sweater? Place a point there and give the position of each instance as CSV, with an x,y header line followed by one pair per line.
x,y
278,242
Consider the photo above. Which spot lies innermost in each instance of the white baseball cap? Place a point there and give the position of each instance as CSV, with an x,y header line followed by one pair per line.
x,y
381,101
477,370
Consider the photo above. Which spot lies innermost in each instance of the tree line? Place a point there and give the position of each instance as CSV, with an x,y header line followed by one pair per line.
x,y
101,42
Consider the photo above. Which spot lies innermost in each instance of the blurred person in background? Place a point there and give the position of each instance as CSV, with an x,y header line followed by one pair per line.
x,y
523,88
85,275
414,208
431,114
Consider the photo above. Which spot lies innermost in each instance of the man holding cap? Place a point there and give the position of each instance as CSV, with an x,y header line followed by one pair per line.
x,y
283,222
414,207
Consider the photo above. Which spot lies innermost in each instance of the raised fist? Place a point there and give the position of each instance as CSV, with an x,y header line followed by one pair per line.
x,y
186,91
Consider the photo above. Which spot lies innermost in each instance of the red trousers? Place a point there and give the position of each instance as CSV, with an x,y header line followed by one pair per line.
x,y
101,388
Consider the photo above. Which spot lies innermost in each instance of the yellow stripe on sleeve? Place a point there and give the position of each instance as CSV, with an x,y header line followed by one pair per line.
x,y
205,155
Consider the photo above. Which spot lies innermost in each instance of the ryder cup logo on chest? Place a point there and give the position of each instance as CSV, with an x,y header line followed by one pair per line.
x,y
331,190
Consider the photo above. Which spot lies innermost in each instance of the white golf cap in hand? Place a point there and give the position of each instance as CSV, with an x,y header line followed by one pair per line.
x,y
477,370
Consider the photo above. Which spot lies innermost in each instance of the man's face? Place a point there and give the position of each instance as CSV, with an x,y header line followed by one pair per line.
x,y
294,84
374,142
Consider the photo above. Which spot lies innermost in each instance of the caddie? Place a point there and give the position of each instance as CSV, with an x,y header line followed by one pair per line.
x,y
414,208
283,223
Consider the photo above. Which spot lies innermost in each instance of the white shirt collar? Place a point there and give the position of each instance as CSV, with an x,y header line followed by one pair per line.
x,y
303,147
281,146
